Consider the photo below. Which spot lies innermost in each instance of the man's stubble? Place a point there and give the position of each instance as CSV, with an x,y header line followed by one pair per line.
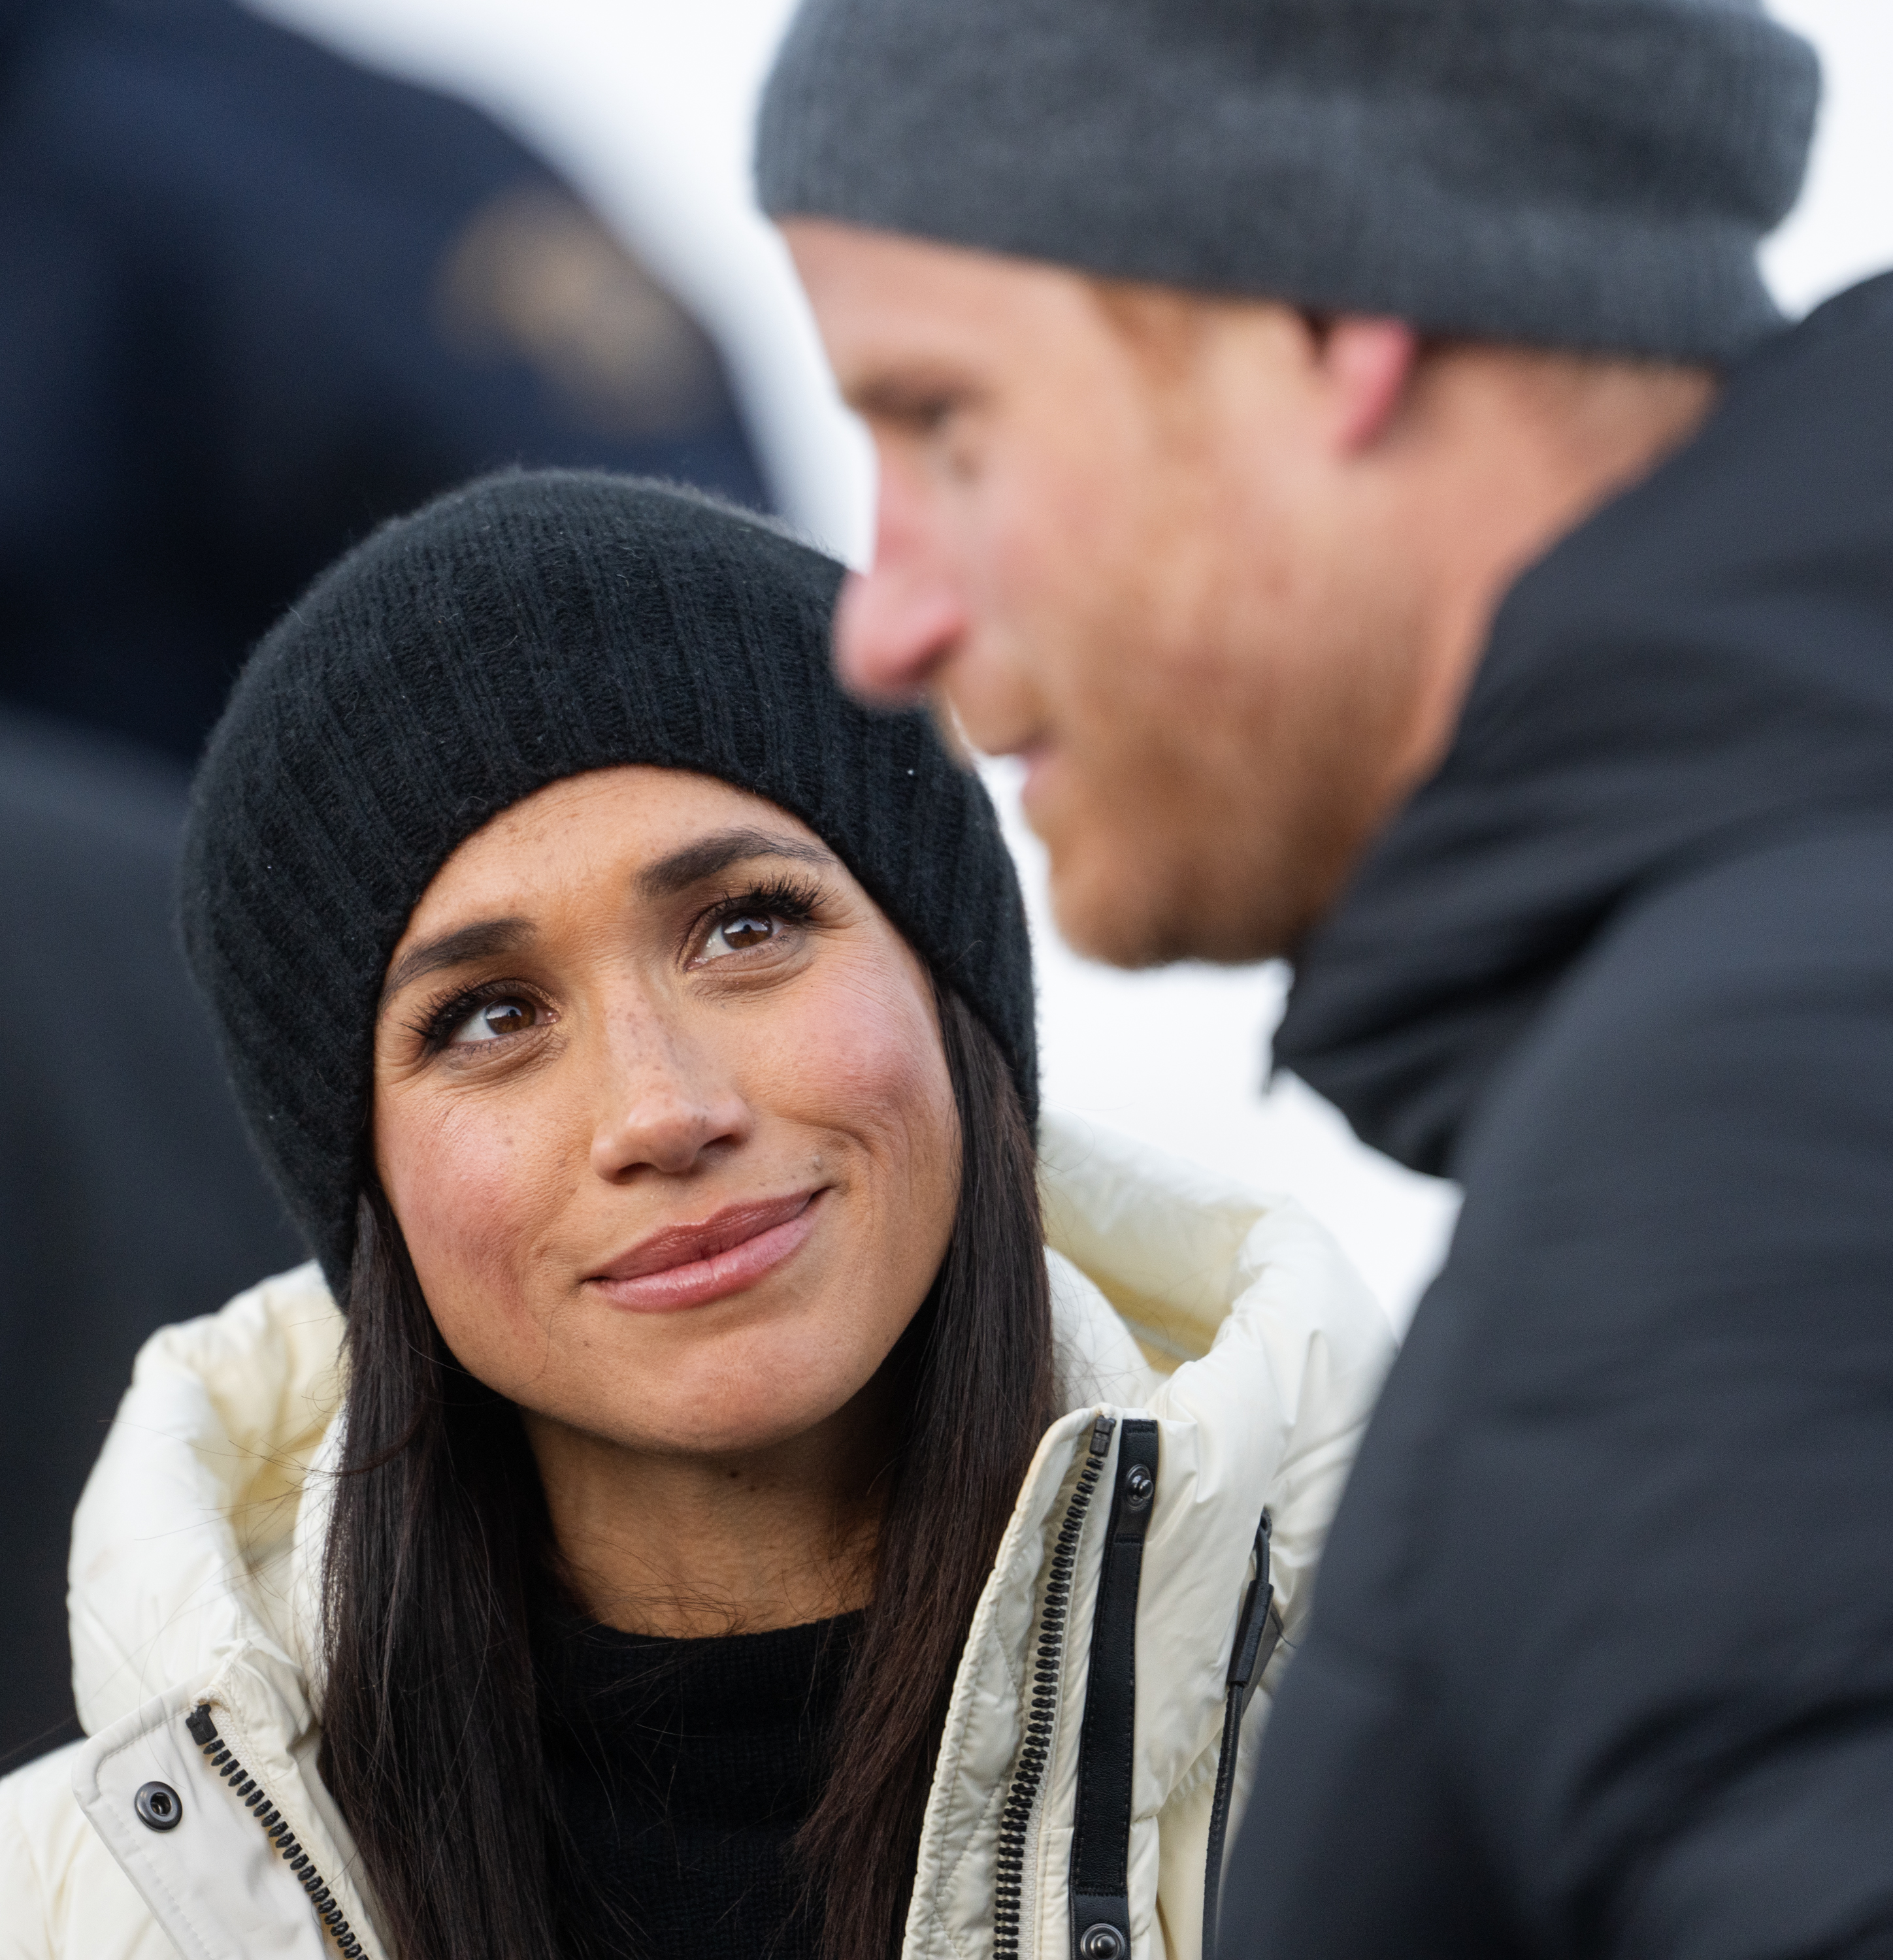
x,y
1230,719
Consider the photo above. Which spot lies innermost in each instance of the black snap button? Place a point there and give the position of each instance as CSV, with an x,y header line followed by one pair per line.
x,y
1102,1941
1137,1486
159,1806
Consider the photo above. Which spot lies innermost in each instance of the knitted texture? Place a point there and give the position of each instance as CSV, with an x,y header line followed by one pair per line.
x,y
527,628
1590,174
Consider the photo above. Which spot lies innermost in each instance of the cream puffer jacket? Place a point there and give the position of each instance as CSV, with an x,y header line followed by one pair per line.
x,y
1217,1354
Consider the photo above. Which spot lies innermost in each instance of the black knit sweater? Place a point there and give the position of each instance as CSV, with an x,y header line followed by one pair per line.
x,y
681,1770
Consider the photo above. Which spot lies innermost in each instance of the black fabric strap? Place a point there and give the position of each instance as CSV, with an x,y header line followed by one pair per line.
x,y
1101,1836
1258,1631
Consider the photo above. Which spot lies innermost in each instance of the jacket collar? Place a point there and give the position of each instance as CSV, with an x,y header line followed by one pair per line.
x,y
201,1532
1707,662
194,1595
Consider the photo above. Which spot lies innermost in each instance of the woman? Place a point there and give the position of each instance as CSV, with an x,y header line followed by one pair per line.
x,y
743,1534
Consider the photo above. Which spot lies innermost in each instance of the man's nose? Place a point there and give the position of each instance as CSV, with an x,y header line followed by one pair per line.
x,y
898,625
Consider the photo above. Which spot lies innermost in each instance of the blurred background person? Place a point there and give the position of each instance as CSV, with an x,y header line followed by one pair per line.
x,y
253,298
129,1195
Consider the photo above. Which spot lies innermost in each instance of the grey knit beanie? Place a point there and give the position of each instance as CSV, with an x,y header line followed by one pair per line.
x,y
529,628
1589,174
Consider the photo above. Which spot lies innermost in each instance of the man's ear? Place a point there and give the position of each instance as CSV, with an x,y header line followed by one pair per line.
x,y
1367,363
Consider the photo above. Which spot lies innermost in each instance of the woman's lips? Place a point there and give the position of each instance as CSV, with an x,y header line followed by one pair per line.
x,y
689,1265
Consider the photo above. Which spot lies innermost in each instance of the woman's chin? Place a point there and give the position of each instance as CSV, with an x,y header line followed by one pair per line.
x,y
726,1432
686,1412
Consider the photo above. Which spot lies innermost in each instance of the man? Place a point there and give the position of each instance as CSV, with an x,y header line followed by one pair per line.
x,y
1347,450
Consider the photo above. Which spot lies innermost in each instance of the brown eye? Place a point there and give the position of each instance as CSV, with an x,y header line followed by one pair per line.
x,y
739,934
493,1020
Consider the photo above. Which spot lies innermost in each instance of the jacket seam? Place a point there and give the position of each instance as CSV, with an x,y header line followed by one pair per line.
x,y
949,1873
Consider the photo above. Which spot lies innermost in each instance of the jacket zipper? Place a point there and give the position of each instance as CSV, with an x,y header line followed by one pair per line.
x,y
204,1734
1015,1820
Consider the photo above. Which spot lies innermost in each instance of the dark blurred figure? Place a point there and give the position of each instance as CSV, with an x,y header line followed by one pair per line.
x,y
253,299
119,1141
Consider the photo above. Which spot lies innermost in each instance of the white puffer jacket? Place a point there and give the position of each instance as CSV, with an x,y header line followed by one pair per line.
x,y
192,1602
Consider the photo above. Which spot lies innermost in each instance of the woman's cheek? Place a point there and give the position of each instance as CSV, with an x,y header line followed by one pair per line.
x,y
865,1041
471,1188
864,1058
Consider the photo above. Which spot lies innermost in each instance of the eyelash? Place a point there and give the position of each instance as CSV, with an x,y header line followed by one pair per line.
x,y
787,899
440,1016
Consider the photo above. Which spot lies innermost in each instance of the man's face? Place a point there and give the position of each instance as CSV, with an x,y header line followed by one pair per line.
x,y
1116,540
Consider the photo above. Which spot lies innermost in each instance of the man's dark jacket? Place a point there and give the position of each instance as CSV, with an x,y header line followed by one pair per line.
x,y
1602,1661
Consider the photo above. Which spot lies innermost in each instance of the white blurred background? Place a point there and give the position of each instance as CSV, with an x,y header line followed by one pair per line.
x,y
647,107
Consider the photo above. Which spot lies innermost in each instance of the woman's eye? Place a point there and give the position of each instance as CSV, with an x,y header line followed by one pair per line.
x,y
740,934
492,1020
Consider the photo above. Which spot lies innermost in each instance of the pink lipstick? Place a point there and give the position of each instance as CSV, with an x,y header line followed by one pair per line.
x,y
690,1265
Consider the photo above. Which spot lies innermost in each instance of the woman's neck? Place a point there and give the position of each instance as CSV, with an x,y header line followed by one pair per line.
x,y
687,1546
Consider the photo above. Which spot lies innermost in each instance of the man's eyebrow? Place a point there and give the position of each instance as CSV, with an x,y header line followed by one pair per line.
x,y
915,397
709,855
480,940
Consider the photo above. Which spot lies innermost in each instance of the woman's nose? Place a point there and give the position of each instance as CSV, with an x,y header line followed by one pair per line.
x,y
666,1118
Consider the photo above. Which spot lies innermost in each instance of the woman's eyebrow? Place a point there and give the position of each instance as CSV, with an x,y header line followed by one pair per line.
x,y
717,852
481,940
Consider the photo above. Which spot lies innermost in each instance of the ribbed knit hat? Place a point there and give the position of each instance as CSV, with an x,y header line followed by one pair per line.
x,y
527,628
1591,174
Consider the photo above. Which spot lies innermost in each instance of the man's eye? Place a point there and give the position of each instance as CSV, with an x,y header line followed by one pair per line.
x,y
493,1020
740,934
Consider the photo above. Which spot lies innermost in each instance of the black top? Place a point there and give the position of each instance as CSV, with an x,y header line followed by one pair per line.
x,y
681,1769
1602,1663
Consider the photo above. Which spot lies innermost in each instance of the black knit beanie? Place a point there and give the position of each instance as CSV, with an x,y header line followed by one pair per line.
x,y
527,629
1590,174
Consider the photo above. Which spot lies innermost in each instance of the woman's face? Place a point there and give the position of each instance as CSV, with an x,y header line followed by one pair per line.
x,y
661,1106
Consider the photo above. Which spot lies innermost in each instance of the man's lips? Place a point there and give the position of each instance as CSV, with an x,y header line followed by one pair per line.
x,y
688,1265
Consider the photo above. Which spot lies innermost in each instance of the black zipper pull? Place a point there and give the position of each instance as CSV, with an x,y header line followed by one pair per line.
x,y
1260,1628
1257,1632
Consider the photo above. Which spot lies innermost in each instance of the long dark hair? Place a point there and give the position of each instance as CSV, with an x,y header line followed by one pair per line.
x,y
441,1542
